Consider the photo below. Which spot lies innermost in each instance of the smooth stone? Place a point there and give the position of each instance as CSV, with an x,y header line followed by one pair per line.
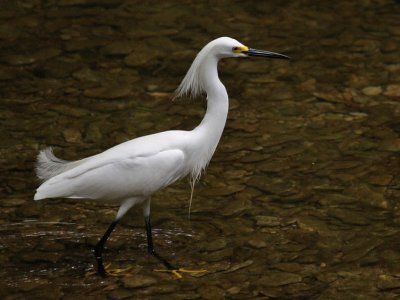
x,y
372,90
111,91
214,245
219,255
36,256
276,185
239,266
138,281
72,135
211,292
160,289
388,282
10,202
70,110
268,221
382,180
334,199
236,207
120,294
348,216
47,53
257,243
28,210
86,75
93,133
79,45
9,32
392,145
141,56
390,255
119,48
359,248
392,90
275,279
19,60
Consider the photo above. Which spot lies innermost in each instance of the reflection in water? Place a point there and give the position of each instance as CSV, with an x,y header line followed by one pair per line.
x,y
300,201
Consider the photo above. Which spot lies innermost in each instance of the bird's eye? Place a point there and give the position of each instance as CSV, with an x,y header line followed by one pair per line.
x,y
237,50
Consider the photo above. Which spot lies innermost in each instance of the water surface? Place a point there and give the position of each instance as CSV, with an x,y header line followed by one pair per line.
x,y
301,198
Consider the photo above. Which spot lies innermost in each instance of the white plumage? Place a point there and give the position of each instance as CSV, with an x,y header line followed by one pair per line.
x,y
131,172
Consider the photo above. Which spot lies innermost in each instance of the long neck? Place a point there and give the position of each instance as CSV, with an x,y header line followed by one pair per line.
x,y
207,135
214,120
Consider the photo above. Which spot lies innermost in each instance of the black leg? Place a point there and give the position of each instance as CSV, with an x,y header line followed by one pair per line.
x,y
150,246
98,249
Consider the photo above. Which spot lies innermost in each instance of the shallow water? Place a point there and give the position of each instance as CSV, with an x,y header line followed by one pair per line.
x,y
301,198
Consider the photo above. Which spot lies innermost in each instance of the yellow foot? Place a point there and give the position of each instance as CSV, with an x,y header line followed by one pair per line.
x,y
176,272
115,272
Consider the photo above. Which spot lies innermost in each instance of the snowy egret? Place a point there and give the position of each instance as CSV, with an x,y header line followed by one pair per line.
x,y
131,172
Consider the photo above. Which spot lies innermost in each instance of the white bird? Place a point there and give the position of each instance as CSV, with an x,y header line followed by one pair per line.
x,y
129,173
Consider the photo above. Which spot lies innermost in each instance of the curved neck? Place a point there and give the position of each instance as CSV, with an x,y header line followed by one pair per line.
x,y
217,98
206,136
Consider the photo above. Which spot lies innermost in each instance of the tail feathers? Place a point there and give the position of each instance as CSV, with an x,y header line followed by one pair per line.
x,y
48,165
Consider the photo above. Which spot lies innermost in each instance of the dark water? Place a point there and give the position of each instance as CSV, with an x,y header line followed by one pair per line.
x,y
299,202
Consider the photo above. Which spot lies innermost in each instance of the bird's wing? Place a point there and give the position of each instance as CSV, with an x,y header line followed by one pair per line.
x,y
116,177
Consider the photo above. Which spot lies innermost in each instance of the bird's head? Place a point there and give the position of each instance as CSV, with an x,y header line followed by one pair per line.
x,y
193,83
228,47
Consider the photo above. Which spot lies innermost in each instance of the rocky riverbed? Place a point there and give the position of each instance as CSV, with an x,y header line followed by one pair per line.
x,y
301,200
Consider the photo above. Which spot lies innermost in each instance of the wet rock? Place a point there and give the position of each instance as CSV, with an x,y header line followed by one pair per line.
x,y
392,145
388,282
390,255
111,91
86,75
372,90
219,255
19,60
10,202
138,281
275,185
120,294
327,277
335,199
214,245
275,279
257,242
69,110
392,90
78,45
9,32
367,196
141,55
360,247
161,289
313,224
223,190
268,221
47,292
239,266
72,135
36,256
349,216
28,210
233,290
46,53
51,246
382,180
236,207
119,48
211,292
93,133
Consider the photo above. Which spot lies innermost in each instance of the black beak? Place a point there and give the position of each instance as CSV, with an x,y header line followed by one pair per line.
x,y
263,53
